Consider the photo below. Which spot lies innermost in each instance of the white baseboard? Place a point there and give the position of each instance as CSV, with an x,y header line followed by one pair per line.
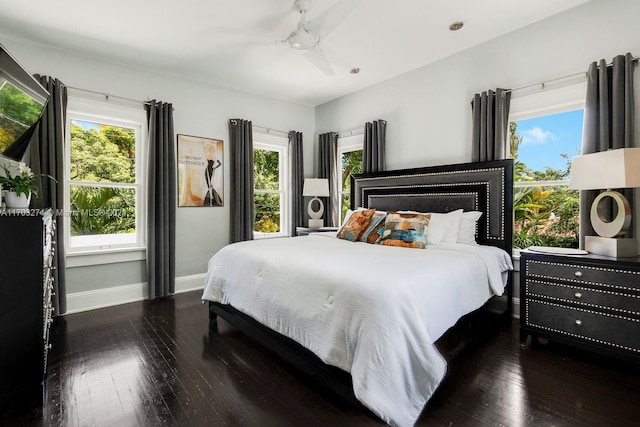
x,y
193,282
107,297
101,298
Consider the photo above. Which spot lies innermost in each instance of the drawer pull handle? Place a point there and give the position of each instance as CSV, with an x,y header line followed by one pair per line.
x,y
578,274
578,322
578,295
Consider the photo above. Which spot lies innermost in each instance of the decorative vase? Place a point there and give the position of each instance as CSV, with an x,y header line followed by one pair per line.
x,y
15,201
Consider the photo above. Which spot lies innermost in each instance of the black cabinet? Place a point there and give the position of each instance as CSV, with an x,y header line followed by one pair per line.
x,y
591,302
26,253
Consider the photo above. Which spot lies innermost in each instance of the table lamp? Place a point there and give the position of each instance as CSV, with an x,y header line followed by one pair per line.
x,y
315,187
618,168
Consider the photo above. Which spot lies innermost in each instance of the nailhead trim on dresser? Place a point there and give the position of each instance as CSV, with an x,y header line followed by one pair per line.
x,y
584,336
605,289
584,303
613,270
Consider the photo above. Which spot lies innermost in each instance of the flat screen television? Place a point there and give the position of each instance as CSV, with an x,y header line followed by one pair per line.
x,y
22,101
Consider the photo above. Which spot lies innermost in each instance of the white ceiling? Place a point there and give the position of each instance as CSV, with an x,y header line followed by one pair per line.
x,y
235,43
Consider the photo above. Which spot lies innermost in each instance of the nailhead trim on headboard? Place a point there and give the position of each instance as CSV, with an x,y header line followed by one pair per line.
x,y
388,182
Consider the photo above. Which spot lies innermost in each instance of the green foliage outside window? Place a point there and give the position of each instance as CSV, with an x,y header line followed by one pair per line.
x,y
102,210
351,165
102,154
266,176
544,215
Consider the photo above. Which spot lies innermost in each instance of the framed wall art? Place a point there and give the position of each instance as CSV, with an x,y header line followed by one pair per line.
x,y
200,171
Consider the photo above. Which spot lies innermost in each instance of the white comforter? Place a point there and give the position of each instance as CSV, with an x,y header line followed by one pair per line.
x,y
371,310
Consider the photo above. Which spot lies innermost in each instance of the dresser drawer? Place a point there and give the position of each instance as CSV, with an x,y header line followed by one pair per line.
x,y
620,278
613,331
624,304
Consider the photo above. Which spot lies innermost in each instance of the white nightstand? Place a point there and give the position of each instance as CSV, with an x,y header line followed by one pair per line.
x,y
303,231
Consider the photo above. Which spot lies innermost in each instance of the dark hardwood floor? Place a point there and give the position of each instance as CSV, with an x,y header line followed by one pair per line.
x,y
155,363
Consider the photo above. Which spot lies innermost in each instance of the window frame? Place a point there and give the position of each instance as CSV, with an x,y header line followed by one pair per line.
x,y
346,144
543,103
280,145
114,114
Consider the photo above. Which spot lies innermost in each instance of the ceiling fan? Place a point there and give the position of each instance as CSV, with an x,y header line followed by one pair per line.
x,y
308,34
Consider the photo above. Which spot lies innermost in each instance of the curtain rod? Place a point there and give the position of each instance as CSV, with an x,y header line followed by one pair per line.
x,y
107,95
543,83
568,76
270,129
353,131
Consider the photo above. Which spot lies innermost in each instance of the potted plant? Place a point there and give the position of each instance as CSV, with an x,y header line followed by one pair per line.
x,y
19,186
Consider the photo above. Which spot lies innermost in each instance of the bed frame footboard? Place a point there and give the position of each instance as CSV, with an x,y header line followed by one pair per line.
x,y
328,378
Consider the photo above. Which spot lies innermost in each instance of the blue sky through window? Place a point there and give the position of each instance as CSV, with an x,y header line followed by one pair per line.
x,y
545,138
86,125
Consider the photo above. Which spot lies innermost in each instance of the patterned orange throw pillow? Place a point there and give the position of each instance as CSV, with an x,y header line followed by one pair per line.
x,y
408,230
356,225
373,233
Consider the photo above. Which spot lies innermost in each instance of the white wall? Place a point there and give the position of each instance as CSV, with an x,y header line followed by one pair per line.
x,y
428,110
200,110
428,113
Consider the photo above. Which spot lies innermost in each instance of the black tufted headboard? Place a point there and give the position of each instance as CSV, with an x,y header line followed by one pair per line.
x,y
481,186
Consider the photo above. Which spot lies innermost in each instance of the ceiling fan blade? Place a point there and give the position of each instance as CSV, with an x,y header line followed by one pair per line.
x,y
318,58
332,17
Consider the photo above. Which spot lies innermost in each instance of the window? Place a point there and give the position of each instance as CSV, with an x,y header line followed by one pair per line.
x,y
270,186
350,158
103,186
545,135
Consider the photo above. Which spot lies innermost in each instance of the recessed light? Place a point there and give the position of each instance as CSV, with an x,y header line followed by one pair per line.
x,y
456,26
355,70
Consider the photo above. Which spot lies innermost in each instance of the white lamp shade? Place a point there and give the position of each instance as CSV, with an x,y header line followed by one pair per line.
x,y
316,187
619,168
611,169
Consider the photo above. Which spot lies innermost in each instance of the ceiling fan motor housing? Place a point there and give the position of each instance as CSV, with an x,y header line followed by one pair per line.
x,y
303,38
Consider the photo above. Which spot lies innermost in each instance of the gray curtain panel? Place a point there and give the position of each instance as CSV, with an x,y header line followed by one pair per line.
x,y
297,181
373,153
161,196
490,125
46,152
242,209
608,122
328,168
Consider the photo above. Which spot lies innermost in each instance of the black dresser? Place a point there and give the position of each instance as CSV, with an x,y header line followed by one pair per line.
x,y
26,283
590,301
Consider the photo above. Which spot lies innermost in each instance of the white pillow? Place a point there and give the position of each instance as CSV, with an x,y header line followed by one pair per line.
x,y
443,227
451,235
467,228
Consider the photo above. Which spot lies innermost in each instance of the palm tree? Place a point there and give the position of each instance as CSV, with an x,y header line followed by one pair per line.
x,y
101,210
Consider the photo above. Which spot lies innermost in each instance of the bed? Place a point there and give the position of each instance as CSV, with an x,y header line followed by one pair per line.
x,y
362,327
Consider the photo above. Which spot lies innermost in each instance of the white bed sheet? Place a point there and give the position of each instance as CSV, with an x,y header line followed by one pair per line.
x,y
374,311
